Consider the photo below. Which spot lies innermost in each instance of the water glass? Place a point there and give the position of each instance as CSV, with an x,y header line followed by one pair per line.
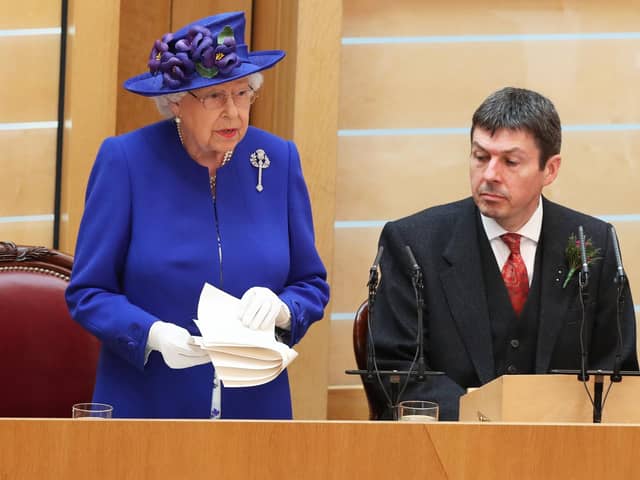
x,y
92,410
418,411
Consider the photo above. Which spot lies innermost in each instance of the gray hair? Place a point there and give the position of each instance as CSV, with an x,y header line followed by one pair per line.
x,y
163,102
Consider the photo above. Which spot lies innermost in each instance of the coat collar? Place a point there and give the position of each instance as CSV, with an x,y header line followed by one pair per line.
x,y
467,302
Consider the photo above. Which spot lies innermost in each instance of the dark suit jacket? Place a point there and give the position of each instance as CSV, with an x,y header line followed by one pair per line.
x,y
457,327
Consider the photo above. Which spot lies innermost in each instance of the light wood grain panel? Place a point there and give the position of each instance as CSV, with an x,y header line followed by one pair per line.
x,y
29,14
341,356
355,250
90,105
419,17
28,172
426,85
600,172
322,450
140,26
29,81
347,403
386,177
28,233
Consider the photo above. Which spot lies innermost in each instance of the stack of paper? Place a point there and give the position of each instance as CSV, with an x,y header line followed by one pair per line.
x,y
242,357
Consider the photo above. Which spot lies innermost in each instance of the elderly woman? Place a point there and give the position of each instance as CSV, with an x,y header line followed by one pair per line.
x,y
200,197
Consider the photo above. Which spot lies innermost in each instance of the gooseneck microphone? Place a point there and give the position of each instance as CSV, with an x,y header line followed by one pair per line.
x,y
620,275
416,280
584,271
583,281
371,300
620,280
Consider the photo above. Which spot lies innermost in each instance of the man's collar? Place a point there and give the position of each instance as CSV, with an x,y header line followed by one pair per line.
x,y
530,230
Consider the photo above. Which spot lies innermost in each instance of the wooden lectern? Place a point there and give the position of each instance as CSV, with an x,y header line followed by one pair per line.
x,y
549,398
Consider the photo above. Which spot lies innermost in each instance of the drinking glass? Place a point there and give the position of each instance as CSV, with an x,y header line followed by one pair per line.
x,y
418,411
92,410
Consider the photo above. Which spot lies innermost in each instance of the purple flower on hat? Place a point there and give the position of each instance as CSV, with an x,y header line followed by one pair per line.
x,y
225,55
160,47
199,40
221,59
175,69
197,51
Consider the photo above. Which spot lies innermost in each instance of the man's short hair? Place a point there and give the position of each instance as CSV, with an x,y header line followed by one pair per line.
x,y
520,109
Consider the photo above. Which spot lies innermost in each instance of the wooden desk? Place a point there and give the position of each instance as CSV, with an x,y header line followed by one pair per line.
x,y
156,449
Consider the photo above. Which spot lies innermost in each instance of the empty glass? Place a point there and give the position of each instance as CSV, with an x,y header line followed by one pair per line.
x,y
418,411
92,410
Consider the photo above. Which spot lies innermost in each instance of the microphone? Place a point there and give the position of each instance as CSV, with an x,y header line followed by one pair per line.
x,y
584,272
620,276
619,280
412,260
373,271
583,281
416,280
371,299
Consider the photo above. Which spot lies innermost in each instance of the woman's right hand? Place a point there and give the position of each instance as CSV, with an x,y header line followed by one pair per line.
x,y
176,346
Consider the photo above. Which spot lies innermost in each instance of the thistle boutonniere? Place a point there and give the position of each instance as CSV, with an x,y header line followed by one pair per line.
x,y
573,256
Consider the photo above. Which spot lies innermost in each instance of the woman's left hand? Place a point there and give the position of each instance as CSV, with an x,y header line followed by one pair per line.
x,y
261,309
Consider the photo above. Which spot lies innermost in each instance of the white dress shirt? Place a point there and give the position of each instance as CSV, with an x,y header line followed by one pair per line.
x,y
528,243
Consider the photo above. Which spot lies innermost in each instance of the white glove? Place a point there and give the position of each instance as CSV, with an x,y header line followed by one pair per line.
x,y
174,343
261,309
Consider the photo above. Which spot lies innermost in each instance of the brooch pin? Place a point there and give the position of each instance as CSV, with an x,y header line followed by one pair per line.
x,y
259,160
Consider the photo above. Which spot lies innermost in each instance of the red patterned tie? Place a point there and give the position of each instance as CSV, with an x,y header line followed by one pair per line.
x,y
514,273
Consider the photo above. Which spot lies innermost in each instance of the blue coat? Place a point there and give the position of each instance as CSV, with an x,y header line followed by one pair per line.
x,y
147,244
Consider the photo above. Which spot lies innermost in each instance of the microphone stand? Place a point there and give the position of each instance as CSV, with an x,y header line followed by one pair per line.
x,y
417,282
371,373
372,284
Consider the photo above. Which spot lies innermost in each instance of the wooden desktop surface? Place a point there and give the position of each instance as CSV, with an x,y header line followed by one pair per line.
x,y
157,449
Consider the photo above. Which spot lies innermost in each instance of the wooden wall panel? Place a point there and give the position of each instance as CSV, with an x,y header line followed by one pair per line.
x,y
29,14
135,42
28,170
418,85
27,233
385,177
30,79
379,18
90,113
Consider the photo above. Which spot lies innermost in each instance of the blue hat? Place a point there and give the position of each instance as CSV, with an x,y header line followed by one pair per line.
x,y
204,53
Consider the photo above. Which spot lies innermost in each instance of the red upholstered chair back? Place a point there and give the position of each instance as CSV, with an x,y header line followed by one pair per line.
x,y
360,339
47,361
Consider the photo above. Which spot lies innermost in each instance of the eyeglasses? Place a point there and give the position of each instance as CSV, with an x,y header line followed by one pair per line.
x,y
218,100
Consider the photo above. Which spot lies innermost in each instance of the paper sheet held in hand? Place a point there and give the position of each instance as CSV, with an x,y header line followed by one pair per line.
x,y
241,356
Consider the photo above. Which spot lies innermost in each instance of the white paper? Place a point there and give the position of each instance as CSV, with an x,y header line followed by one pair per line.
x,y
241,356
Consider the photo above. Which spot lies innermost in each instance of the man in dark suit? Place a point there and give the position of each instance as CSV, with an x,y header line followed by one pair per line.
x,y
496,304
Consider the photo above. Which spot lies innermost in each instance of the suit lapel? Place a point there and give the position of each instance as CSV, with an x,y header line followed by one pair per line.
x,y
467,302
554,300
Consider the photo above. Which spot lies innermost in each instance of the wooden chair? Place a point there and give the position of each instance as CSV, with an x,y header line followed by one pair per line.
x,y
360,341
47,361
